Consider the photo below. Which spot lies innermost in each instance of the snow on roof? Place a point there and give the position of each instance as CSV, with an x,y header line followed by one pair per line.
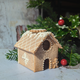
x,y
31,41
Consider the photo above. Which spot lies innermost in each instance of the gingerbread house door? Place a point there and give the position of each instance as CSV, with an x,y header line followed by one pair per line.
x,y
46,64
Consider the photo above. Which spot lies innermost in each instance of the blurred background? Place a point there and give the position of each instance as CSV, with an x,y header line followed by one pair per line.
x,y
64,7
15,16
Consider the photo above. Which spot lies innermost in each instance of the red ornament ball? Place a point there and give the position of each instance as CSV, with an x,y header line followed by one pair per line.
x,y
64,62
61,22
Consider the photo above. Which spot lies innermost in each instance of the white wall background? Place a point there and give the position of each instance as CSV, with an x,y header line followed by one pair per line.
x,y
12,14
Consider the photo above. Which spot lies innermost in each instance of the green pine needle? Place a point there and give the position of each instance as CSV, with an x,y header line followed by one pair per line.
x,y
12,55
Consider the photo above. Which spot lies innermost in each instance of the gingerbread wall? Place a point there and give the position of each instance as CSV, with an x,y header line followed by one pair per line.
x,y
41,55
26,59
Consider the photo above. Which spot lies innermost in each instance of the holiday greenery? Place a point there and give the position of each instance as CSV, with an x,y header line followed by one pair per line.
x,y
45,5
35,3
69,29
65,30
64,34
12,55
69,53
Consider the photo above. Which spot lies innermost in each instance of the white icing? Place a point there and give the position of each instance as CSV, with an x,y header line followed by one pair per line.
x,y
49,64
27,32
25,58
53,39
32,39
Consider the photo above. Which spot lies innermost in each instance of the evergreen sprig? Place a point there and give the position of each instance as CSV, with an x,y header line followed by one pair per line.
x,y
12,55
34,3
45,5
69,53
69,29
46,23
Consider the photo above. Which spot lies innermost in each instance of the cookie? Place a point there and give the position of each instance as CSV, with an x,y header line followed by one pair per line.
x,y
37,30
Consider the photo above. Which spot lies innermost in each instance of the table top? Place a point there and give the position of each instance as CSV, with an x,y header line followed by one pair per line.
x,y
11,70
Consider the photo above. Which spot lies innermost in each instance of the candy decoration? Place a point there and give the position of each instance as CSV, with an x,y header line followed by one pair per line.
x,y
61,22
64,62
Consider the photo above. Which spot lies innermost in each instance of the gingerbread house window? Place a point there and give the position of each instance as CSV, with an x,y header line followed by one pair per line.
x,y
46,45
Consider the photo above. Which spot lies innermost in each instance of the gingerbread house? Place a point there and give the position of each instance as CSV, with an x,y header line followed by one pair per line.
x,y
37,49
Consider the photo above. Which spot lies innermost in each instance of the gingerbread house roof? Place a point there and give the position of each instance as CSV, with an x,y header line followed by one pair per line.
x,y
31,41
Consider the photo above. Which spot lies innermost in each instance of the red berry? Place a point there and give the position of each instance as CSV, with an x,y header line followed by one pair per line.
x,y
64,62
61,22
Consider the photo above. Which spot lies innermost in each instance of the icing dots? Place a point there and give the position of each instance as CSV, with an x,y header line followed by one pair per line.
x,y
24,56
